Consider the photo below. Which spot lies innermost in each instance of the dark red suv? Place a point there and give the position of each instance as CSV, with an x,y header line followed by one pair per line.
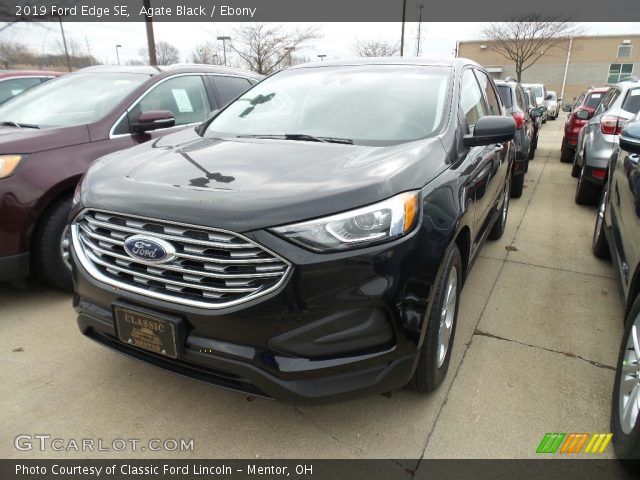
x,y
51,133
579,115
14,82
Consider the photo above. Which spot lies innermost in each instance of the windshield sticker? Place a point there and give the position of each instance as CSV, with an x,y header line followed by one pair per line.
x,y
182,100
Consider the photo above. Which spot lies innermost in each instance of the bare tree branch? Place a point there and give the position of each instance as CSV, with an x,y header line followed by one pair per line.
x,y
525,39
166,53
375,48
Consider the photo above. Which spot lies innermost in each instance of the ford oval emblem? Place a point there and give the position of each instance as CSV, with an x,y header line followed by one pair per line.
x,y
149,249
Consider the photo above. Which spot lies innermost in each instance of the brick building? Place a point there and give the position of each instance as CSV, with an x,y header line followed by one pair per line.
x,y
587,60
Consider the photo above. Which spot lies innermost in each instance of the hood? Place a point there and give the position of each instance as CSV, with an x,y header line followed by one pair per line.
x,y
32,140
247,184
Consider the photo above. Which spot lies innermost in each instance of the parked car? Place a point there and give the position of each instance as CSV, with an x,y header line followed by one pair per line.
x,y
582,110
598,138
14,82
314,241
553,106
617,234
542,97
536,120
517,105
49,135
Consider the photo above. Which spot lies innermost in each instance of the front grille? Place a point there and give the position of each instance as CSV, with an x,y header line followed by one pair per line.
x,y
212,268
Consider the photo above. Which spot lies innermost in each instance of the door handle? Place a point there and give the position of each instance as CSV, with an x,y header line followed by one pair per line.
x,y
634,158
500,147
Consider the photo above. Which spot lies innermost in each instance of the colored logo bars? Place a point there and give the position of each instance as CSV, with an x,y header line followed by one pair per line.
x,y
574,443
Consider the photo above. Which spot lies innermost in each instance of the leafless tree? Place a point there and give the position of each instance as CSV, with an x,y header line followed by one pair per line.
x,y
206,53
166,54
14,53
265,48
525,39
375,48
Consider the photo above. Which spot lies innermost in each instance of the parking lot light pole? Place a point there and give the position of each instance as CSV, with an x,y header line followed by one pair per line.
x,y
118,53
224,48
321,56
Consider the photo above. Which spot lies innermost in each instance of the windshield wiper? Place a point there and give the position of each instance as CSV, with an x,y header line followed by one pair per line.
x,y
19,125
302,137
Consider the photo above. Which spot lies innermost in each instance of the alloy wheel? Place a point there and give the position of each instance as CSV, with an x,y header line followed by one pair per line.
x,y
447,316
629,394
64,247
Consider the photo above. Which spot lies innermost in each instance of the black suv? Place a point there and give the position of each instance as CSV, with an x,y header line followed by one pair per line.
x,y
310,242
617,234
516,104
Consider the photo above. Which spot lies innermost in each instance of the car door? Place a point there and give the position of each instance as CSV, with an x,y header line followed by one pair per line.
x,y
625,204
500,150
479,160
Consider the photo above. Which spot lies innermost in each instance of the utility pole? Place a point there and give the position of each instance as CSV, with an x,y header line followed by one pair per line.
x,y
224,48
404,13
64,42
420,6
151,41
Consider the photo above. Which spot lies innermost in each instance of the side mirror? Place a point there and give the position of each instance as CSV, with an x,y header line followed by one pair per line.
x,y
153,120
566,108
491,129
583,115
630,138
549,97
536,112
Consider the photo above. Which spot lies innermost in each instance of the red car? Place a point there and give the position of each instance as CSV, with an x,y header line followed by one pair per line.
x,y
49,136
13,82
578,117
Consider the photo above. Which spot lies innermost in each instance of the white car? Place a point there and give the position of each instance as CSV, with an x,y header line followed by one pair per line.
x,y
540,91
553,106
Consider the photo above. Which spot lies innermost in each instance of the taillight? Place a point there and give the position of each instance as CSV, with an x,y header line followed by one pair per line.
x,y
519,118
611,125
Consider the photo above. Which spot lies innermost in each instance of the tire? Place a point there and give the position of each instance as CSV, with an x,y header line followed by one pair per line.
x,y
586,192
434,359
517,186
501,223
626,434
599,244
566,154
575,170
49,264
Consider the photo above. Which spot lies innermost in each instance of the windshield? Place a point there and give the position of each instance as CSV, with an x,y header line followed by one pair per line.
x,y
52,103
368,105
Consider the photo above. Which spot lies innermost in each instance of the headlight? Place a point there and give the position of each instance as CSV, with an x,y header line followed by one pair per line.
x,y
77,192
375,223
8,164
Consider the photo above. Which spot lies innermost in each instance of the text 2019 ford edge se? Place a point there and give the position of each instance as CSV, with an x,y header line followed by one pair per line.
x,y
310,242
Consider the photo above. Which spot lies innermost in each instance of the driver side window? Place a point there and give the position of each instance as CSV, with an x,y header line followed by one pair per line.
x,y
184,96
471,101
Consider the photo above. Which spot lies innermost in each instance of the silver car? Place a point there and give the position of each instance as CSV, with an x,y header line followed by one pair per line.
x,y
598,138
542,97
553,105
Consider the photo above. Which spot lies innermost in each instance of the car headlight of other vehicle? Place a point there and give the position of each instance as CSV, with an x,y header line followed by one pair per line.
x,y
77,192
380,222
8,164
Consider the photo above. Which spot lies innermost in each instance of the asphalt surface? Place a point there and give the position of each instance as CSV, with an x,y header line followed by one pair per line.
x,y
535,349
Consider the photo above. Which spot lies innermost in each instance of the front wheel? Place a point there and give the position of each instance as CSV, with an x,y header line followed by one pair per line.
x,y
566,154
625,405
501,223
435,353
51,249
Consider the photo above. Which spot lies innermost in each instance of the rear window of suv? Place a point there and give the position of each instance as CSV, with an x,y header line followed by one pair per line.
x,y
505,95
632,102
593,100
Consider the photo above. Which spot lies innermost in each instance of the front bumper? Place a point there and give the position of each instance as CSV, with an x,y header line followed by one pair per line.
x,y
342,326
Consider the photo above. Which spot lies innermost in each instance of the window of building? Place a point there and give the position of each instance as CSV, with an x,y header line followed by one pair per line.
x,y
619,72
624,51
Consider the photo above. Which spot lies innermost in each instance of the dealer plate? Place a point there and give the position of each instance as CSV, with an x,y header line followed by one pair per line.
x,y
145,331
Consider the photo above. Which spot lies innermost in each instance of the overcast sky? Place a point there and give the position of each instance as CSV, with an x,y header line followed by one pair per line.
x,y
336,41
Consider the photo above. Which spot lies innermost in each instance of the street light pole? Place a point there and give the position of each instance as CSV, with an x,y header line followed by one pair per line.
x,y
224,48
118,53
321,57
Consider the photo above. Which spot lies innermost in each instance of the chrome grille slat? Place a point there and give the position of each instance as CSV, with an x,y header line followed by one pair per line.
x,y
212,268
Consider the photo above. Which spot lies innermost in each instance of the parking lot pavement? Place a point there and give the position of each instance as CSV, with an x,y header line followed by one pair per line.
x,y
538,332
